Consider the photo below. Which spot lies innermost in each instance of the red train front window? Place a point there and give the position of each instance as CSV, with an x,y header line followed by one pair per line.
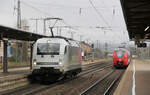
x,y
119,53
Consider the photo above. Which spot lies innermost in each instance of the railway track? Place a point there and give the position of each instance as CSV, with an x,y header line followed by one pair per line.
x,y
61,82
109,89
91,66
98,87
95,69
8,84
82,74
36,88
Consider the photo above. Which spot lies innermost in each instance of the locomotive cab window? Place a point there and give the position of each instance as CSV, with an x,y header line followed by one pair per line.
x,y
48,48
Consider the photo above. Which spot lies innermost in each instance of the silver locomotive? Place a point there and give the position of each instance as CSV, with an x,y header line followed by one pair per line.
x,y
55,58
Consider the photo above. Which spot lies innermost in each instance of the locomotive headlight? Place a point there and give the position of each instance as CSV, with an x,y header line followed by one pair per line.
x,y
34,62
60,62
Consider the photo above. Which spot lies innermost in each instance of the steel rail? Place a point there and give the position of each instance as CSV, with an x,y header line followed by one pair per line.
x,y
39,89
93,71
96,83
112,84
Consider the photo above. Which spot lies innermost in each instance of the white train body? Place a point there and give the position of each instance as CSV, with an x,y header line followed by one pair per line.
x,y
56,56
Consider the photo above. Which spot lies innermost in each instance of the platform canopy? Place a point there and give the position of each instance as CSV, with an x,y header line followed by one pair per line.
x,y
17,34
137,17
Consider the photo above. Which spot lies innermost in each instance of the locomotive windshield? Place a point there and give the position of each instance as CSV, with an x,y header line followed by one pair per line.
x,y
48,48
120,53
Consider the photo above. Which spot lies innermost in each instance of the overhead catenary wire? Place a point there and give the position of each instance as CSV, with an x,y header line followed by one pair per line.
x,y
100,15
45,13
37,9
63,21
60,5
48,14
57,5
108,9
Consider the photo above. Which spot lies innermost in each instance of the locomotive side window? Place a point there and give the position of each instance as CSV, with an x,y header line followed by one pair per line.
x,y
65,50
47,48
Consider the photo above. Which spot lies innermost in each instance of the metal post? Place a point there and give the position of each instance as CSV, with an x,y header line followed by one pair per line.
x,y
81,37
5,61
57,31
71,35
44,27
36,22
93,55
60,32
97,44
31,54
36,25
19,15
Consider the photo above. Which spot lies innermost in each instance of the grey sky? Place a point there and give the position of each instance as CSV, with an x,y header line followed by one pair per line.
x,y
69,11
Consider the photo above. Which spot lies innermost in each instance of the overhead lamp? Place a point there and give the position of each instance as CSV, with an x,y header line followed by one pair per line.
x,y
146,28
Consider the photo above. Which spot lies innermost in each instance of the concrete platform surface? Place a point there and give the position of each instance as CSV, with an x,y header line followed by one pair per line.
x,y
15,72
136,79
16,77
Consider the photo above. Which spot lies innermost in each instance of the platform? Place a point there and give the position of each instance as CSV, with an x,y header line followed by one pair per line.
x,y
14,74
136,79
15,77
15,71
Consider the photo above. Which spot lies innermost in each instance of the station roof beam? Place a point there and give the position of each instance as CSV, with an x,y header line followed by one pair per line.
x,y
137,18
17,34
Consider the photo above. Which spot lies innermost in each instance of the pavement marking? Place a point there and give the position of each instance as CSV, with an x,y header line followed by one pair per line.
x,y
133,78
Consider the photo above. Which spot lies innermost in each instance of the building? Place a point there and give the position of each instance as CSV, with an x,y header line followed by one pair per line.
x,y
86,49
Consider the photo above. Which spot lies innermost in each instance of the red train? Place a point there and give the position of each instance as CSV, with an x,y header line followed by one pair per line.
x,y
121,58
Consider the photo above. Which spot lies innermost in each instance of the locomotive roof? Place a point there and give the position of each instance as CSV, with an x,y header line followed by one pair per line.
x,y
62,40
61,37
121,49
